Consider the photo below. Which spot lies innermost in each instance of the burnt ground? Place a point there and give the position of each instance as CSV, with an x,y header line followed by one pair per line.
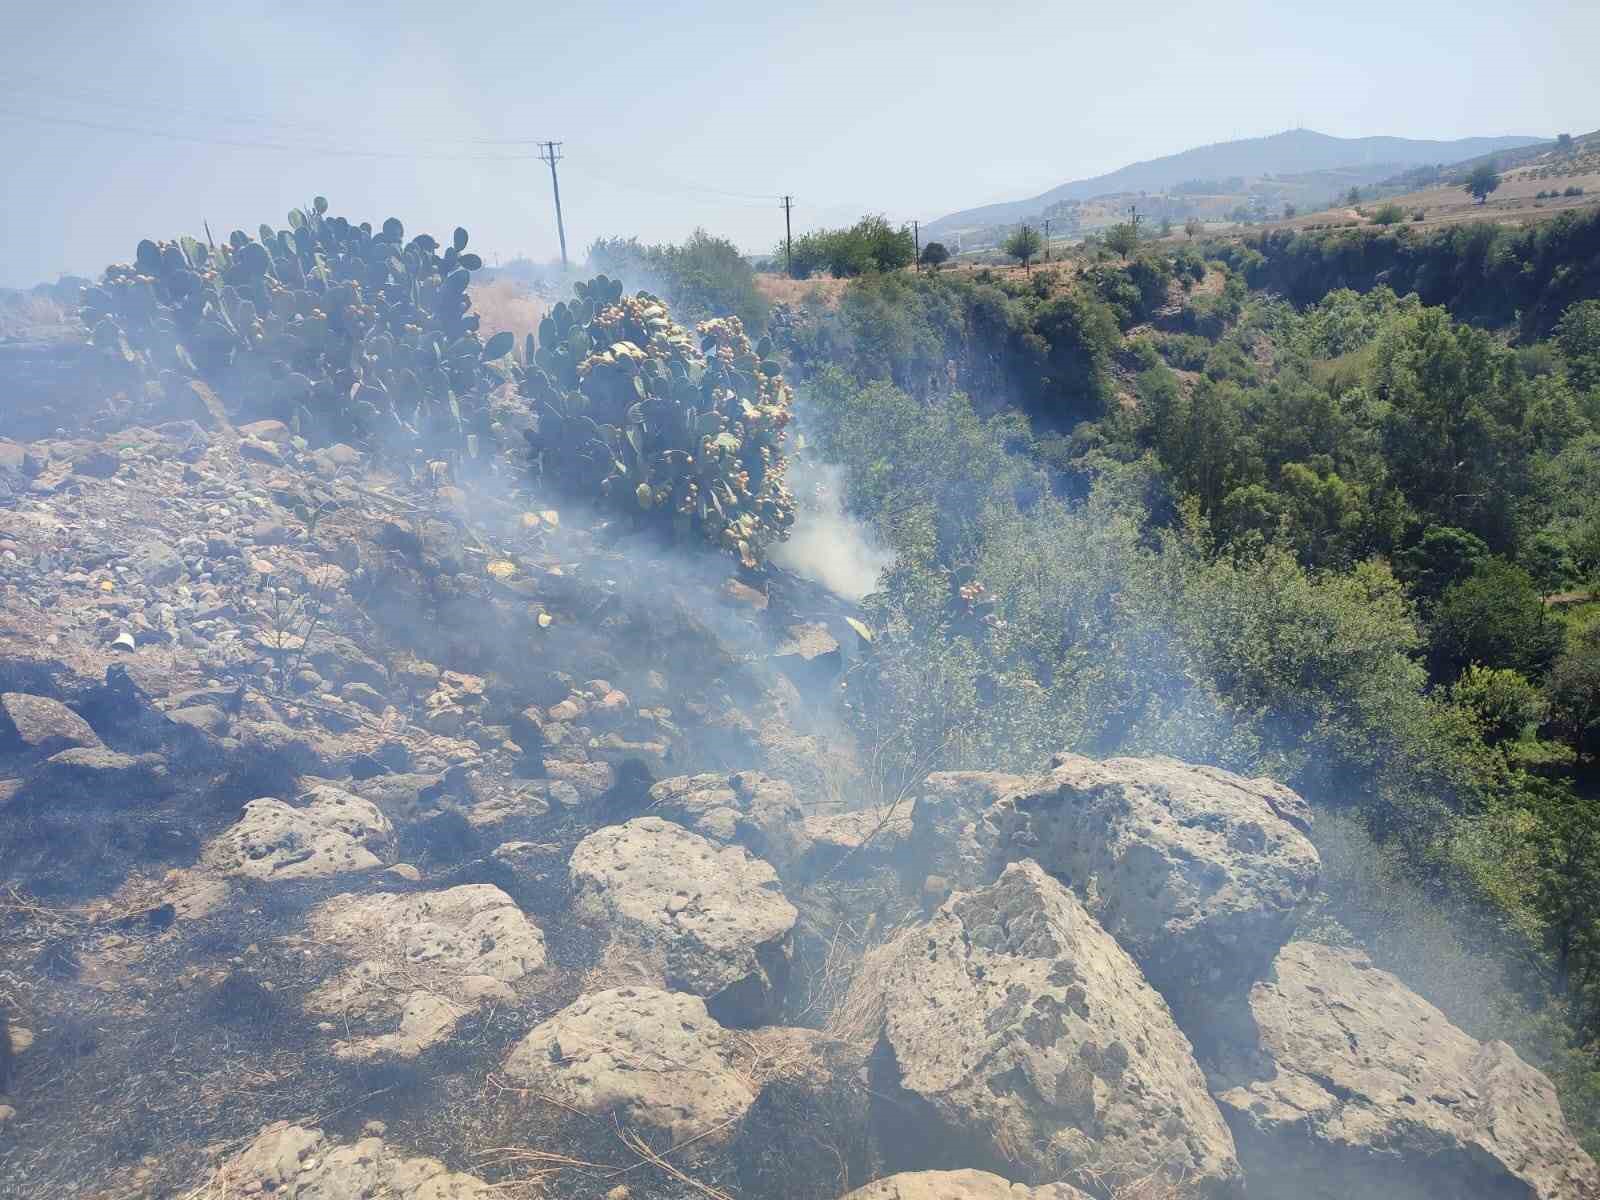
x,y
237,615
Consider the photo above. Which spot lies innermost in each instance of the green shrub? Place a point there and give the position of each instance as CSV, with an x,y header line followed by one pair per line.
x,y
1388,214
662,428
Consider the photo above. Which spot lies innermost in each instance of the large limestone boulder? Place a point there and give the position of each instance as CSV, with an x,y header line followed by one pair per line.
x,y
1023,1039
1199,873
655,1059
1359,1087
959,1185
333,833
294,1162
418,964
684,912
745,808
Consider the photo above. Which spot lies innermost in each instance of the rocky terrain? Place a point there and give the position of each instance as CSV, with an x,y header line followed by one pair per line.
x,y
376,832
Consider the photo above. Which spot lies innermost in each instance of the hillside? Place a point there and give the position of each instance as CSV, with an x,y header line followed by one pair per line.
x,y
1293,152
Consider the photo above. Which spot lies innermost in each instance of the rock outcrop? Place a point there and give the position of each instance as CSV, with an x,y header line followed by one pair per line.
x,y
335,832
1199,873
294,1162
655,1059
1362,1088
745,808
1020,1037
959,1185
697,917
422,962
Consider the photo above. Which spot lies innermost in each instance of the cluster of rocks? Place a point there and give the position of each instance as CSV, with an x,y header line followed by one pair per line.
x,y
511,875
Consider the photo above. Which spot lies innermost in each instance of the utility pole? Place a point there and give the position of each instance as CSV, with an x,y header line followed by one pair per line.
x,y
788,238
916,240
1047,239
1134,209
551,153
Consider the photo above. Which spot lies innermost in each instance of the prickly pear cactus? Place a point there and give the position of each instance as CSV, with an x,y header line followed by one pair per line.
x,y
344,331
660,425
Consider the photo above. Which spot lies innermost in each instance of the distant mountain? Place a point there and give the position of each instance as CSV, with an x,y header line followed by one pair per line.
x,y
1295,151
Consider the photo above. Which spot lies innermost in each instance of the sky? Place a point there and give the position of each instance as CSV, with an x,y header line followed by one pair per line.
x,y
143,119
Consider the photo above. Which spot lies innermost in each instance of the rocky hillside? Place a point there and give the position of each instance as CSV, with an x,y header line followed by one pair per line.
x,y
375,832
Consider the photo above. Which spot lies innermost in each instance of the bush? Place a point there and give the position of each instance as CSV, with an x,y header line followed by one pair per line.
x,y
871,244
343,332
1506,705
704,277
659,427
1388,214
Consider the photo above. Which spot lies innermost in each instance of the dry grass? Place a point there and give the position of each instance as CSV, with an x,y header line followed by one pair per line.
x,y
503,307
26,317
816,293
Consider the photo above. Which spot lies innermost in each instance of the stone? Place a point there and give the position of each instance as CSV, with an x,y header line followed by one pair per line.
x,y
810,656
700,918
297,1162
365,695
1199,873
266,431
657,1059
95,773
155,562
1356,1086
421,962
1018,1036
259,451
745,808
333,833
960,1185
40,725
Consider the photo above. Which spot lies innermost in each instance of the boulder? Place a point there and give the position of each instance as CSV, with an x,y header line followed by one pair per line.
x,y
699,918
294,1162
97,774
745,808
40,725
959,1185
333,833
1016,1035
1199,873
655,1059
1356,1086
421,963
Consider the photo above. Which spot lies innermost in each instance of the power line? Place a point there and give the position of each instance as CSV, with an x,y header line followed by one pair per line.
x,y
278,146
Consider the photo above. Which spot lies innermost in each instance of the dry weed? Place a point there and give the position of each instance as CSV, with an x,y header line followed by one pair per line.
x,y
503,307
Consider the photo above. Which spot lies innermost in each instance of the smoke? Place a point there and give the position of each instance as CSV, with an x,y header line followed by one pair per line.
x,y
827,544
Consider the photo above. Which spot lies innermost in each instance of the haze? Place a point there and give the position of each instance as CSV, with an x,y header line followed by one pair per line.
x,y
675,116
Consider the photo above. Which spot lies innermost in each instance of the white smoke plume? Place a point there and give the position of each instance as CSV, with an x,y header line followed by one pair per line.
x,y
827,544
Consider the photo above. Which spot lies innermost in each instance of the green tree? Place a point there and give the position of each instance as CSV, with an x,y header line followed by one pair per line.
x,y
1564,143
934,255
1024,245
1483,180
1505,704
1289,212
1573,690
1443,556
1388,214
1123,239
1496,618
1578,335
1353,196
1192,227
1566,891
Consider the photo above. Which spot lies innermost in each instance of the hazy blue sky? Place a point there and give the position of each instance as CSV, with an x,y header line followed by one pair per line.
x,y
683,114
